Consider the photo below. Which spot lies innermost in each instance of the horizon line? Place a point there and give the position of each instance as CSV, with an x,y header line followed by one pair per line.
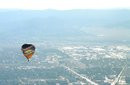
x,y
65,9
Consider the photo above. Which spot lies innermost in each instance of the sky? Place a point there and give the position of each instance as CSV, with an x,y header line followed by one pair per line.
x,y
64,4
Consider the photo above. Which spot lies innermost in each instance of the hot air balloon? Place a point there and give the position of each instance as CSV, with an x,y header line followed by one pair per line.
x,y
28,50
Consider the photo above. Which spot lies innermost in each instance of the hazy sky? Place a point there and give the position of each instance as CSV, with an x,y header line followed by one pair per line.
x,y
64,4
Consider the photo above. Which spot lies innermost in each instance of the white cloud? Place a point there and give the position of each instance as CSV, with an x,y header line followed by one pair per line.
x,y
64,4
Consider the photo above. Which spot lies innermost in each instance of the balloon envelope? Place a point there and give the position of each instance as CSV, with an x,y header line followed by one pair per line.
x,y
28,50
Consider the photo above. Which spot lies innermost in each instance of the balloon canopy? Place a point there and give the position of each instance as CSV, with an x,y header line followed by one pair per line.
x,y
28,50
